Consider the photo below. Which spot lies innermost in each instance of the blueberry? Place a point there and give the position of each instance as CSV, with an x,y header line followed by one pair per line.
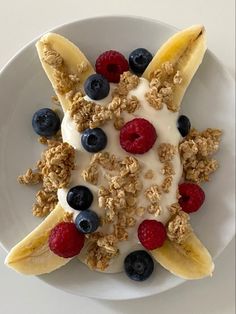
x,y
183,125
139,59
87,221
46,122
96,87
94,140
79,197
138,265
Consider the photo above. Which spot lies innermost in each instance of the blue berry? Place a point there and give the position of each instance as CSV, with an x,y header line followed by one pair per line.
x,y
94,140
87,221
183,125
79,197
96,87
138,265
46,122
139,59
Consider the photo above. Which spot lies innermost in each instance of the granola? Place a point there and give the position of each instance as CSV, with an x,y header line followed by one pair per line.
x,y
196,152
162,85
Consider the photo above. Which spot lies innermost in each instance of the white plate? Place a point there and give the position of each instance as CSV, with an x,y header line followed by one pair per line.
x,y
209,102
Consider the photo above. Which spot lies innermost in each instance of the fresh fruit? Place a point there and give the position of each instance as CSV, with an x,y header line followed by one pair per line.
x,y
94,140
96,87
151,234
185,51
139,59
46,122
32,256
65,240
111,64
183,125
72,58
188,260
137,136
192,197
87,221
138,265
79,197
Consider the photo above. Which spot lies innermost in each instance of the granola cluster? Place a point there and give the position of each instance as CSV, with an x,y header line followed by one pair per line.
x,y
166,152
179,228
119,201
87,114
162,85
53,171
66,82
196,152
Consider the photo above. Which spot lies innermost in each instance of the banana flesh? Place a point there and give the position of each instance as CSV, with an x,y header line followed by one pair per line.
x,y
189,260
73,58
32,256
185,50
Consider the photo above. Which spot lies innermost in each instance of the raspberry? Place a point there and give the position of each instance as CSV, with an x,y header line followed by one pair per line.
x,y
111,64
137,136
192,197
151,234
65,240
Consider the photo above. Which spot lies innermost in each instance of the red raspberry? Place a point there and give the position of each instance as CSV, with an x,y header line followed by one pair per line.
x,y
192,197
137,136
65,240
111,64
151,234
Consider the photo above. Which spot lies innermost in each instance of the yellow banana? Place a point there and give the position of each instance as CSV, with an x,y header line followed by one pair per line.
x,y
185,50
72,57
32,256
189,260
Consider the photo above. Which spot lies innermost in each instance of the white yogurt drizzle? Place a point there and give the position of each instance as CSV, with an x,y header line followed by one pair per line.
x,y
164,122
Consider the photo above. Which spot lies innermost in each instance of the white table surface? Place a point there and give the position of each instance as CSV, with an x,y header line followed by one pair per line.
x,y
20,22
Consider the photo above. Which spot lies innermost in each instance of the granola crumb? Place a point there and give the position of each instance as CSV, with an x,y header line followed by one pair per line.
x,y
140,211
90,174
174,208
52,57
55,100
179,228
154,209
166,152
118,122
149,174
168,169
166,184
68,217
153,194
45,203
30,177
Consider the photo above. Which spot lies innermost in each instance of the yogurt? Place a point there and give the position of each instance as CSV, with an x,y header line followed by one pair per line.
x,y
164,122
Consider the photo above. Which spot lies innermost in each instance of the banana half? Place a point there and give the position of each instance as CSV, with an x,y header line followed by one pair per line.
x,y
189,260
32,255
73,61
185,50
